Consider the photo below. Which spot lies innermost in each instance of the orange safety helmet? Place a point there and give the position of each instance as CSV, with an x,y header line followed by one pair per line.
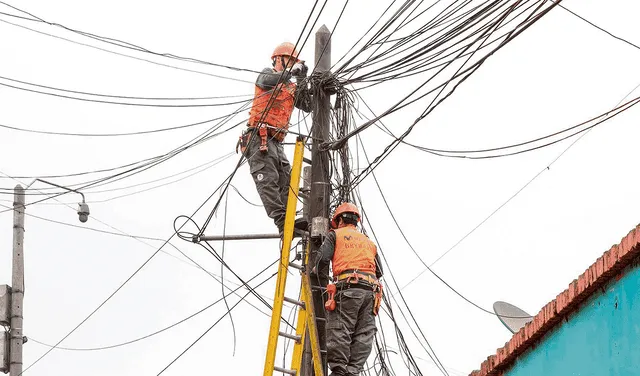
x,y
285,49
345,207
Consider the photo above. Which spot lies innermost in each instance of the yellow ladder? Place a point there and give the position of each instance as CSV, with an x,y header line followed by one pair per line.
x,y
306,317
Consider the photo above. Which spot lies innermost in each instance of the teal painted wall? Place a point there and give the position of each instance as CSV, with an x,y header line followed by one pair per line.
x,y
601,338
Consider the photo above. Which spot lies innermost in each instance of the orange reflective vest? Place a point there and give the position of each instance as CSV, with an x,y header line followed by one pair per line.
x,y
353,251
279,112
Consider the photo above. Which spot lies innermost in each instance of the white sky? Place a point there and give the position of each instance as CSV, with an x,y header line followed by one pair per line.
x,y
558,73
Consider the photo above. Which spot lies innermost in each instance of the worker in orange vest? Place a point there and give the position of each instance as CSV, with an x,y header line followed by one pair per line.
x,y
273,102
354,297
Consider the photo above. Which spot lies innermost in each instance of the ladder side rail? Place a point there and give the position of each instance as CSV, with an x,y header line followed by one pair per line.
x,y
281,282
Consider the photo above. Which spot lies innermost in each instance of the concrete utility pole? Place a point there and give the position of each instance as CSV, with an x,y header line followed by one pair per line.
x,y
320,189
17,283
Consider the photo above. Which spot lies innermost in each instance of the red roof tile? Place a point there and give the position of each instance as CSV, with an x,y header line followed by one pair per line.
x,y
606,267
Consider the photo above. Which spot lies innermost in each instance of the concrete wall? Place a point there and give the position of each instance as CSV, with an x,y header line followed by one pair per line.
x,y
601,338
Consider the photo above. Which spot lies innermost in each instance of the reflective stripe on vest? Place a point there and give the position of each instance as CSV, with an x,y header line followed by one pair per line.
x,y
280,110
353,251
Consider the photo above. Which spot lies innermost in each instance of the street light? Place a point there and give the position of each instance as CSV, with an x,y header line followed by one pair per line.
x,y
83,207
13,339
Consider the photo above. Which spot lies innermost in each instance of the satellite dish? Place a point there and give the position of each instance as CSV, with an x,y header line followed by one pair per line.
x,y
511,316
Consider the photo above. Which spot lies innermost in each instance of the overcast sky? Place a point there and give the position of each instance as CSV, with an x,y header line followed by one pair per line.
x,y
558,73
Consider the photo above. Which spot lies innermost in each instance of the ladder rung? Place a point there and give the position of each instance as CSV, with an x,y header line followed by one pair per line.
x,y
293,301
295,266
318,288
321,319
291,336
284,370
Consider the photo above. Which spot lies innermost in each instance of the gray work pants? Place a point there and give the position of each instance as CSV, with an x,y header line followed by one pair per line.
x,y
271,173
350,330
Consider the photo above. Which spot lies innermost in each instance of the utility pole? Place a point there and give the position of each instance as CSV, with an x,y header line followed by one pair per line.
x,y
17,283
320,189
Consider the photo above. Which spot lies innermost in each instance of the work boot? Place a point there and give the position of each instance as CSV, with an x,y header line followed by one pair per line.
x,y
301,224
299,228
297,233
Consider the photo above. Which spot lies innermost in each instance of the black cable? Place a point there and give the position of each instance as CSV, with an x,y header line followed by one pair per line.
x,y
598,27
192,237
469,71
244,198
106,135
393,217
106,347
546,168
114,134
461,153
399,105
138,169
85,228
226,304
207,165
123,44
122,103
124,96
140,239
433,357
118,53
212,326
114,292
270,103
449,35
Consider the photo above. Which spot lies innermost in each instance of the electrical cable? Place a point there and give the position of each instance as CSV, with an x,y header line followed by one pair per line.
x,y
138,339
399,105
503,204
271,101
211,327
124,96
429,352
393,217
141,239
461,153
226,304
138,169
122,54
393,145
122,285
123,103
598,27
124,44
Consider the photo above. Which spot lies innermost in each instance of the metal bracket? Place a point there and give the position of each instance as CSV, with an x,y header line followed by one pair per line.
x,y
319,227
5,305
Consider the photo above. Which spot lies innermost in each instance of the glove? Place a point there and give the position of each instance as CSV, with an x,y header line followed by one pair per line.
x,y
299,70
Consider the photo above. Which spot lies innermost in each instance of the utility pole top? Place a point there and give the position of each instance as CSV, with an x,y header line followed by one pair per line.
x,y
323,30
323,49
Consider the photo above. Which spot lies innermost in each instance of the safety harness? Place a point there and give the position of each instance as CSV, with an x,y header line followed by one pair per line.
x,y
264,131
354,279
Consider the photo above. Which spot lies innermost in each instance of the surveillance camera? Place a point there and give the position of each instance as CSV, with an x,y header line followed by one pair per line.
x,y
83,212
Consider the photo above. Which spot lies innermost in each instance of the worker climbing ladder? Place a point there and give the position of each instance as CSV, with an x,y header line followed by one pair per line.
x,y
306,323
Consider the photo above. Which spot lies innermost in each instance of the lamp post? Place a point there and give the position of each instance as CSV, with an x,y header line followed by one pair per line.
x,y
16,338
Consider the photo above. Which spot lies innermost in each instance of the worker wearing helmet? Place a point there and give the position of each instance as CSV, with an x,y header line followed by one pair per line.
x,y
273,102
356,268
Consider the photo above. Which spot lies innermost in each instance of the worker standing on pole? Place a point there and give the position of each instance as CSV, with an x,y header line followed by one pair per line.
x,y
274,100
354,299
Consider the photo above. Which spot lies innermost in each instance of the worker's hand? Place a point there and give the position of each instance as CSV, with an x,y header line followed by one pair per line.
x,y
299,70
